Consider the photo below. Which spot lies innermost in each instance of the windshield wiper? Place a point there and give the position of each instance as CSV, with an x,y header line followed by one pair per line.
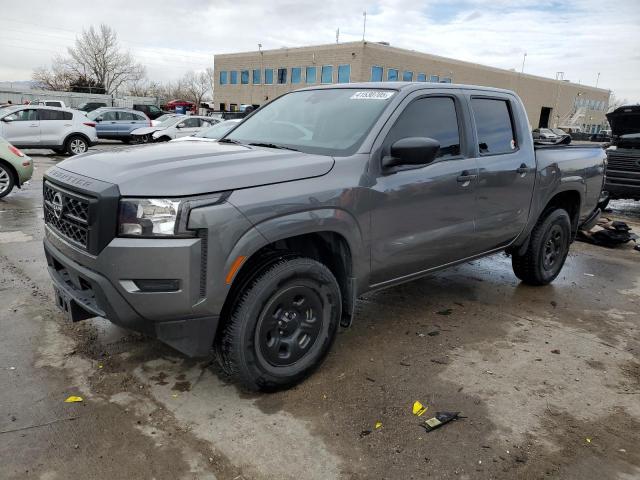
x,y
273,145
228,140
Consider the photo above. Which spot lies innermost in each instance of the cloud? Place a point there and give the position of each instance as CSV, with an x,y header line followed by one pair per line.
x,y
576,37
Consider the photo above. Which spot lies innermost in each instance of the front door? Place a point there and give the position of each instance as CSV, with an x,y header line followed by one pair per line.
x,y
506,173
190,126
423,217
23,128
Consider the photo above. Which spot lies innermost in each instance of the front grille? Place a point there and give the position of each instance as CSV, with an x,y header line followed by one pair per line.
x,y
67,213
626,160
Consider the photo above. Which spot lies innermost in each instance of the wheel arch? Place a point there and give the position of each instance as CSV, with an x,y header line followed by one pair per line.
x,y
76,134
12,171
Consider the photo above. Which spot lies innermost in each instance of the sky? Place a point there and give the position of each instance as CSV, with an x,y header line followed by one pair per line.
x,y
580,38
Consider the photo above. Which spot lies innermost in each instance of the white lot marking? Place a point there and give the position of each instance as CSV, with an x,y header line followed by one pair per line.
x,y
14,237
560,382
238,428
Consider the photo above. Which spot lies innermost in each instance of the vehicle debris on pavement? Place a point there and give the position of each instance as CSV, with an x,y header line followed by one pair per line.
x,y
607,233
419,409
73,399
440,419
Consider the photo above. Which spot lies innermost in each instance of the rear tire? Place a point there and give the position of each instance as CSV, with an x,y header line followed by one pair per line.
x,y
281,325
547,251
7,180
76,145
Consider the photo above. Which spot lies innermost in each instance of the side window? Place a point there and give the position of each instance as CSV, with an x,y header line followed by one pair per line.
x,y
29,115
494,126
432,117
126,116
140,118
192,123
109,116
51,114
67,116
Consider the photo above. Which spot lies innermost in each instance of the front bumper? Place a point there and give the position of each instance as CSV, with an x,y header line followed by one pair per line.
x,y
173,317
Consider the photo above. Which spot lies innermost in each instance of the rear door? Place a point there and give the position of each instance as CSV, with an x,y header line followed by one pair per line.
x,y
506,172
423,217
53,126
24,128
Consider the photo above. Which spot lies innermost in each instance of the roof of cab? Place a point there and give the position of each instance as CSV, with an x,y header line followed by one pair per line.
x,y
407,86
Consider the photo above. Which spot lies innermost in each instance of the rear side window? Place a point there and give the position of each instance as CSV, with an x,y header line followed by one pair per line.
x,y
140,118
128,116
54,115
494,126
432,117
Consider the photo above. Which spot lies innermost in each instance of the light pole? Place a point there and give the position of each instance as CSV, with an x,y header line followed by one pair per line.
x,y
523,59
597,79
364,25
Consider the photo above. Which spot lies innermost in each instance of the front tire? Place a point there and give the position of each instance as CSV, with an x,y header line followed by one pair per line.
x,y
7,181
76,145
282,325
547,251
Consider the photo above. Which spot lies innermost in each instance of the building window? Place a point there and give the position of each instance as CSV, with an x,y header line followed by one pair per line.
x,y
434,79
244,77
407,76
312,72
376,74
223,77
422,77
296,75
282,76
392,75
268,76
234,77
344,73
256,77
326,75
445,80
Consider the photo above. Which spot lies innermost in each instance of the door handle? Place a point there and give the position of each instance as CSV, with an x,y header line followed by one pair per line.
x,y
465,178
522,169
33,126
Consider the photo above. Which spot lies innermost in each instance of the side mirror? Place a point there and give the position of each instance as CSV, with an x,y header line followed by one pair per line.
x,y
98,119
412,151
180,125
8,119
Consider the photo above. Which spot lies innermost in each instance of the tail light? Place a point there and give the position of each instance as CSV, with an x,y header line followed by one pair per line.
x,y
15,151
89,124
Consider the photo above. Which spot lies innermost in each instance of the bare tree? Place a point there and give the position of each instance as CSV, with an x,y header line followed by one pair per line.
x,y
197,85
96,56
615,102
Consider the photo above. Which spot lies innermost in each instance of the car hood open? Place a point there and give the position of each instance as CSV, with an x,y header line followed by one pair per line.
x,y
194,168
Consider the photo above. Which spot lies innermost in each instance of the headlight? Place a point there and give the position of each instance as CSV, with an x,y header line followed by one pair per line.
x,y
160,217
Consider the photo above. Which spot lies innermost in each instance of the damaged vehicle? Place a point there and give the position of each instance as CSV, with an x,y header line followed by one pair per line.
x,y
259,245
623,156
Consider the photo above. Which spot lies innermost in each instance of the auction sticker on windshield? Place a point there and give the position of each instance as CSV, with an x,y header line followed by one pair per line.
x,y
372,95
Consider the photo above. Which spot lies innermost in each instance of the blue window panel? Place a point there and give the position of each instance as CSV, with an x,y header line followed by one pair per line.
x,y
296,75
282,76
344,73
234,77
407,76
244,77
312,73
256,77
445,80
326,75
268,76
422,77
376,74
223,77
392,75
434,79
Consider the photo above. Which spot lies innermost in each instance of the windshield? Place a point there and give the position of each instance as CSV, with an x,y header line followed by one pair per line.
x,y
328,122
217,131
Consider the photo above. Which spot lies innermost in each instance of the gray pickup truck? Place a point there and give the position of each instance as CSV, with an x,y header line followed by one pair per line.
x,y
257,246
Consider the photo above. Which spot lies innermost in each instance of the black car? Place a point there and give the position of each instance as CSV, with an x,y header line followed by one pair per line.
x,y
91,106
151,111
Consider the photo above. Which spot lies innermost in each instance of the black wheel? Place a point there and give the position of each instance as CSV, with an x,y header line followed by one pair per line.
x,y
547,251
162,139
126,141
7,181
281,325
76,145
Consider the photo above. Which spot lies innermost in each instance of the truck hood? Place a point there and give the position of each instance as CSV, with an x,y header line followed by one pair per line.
x,y
624,120
195,168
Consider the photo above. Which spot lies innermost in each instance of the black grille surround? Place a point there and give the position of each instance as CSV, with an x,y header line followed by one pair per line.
x,y
67,213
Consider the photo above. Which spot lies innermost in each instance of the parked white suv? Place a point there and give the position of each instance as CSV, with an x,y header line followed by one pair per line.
x,y
37,126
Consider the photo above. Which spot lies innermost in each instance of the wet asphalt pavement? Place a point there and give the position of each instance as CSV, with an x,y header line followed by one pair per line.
x,y
548,380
